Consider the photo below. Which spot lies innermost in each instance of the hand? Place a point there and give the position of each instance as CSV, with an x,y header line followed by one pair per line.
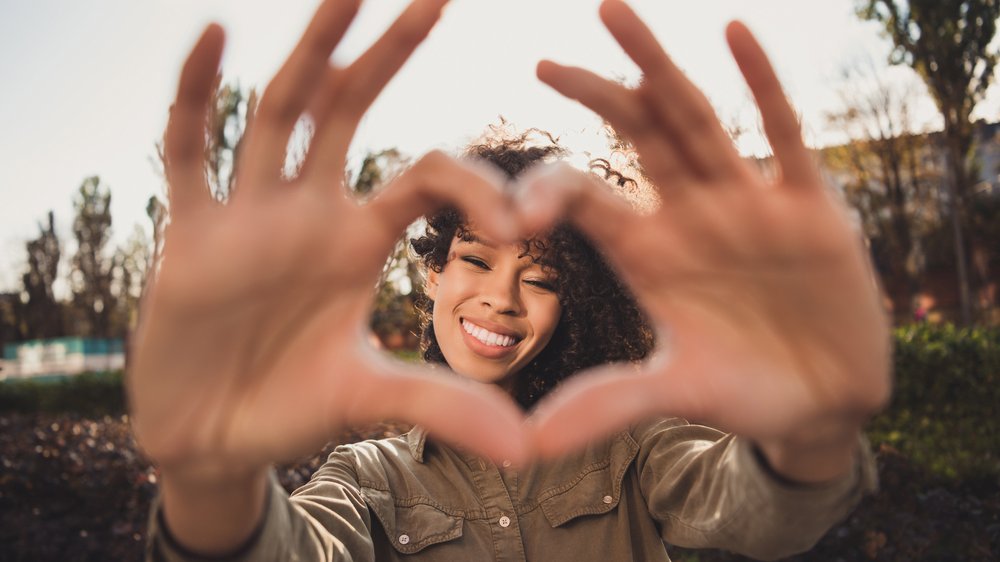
x,y
252,344
761,291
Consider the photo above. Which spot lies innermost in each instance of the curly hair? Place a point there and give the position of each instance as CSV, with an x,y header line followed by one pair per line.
x,y
600,321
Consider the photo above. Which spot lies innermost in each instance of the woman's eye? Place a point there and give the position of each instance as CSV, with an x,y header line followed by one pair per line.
x,y
542,284
475,261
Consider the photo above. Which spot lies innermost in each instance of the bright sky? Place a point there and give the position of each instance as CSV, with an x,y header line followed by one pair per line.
x,y
86,84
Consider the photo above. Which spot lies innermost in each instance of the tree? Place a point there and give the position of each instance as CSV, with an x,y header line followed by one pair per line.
x,y
12,326
947,43
156,210
395,316
130,267
91,274
376,169
888,177
231,113
42,313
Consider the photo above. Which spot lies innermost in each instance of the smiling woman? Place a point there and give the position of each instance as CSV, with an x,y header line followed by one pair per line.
x,y
768,315
596,319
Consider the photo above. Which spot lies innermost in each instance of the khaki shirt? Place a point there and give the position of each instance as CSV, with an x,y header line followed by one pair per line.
x,y
407,498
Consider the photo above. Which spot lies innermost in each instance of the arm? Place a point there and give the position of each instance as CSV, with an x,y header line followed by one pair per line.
x,y
767,312
327,519
251,343
761,293
708,489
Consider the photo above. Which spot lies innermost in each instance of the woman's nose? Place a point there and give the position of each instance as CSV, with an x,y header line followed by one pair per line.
x,y
502,295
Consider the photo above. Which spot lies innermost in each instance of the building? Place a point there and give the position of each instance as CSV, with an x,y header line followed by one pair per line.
x,y
61,357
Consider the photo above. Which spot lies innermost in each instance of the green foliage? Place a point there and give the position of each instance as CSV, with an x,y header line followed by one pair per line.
x,y
91,273
88,394
943,412
945,41
42,315
942,416
949,43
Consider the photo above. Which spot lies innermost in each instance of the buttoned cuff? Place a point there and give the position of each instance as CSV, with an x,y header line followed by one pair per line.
x,y
163,547
770,485
779,517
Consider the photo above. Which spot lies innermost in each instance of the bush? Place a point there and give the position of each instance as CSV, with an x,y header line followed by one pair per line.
x,y
87,394
942,416
943,411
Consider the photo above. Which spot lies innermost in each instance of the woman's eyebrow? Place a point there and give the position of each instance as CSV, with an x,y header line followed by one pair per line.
x,y
470,238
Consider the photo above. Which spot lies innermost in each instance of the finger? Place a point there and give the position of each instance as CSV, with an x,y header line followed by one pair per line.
x,y
436,181
780,122
620,107
352,91
549,193
474,416
589,407
285,98
184,139
684,112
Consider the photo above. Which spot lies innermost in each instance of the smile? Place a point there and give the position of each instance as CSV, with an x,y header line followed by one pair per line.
x,y
487,337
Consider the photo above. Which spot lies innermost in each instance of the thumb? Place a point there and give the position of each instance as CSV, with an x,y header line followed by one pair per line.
x,y
438,180
475,416
591,405
549,192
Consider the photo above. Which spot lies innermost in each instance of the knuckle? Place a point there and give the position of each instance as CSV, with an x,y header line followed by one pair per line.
x,y
431,162
435,158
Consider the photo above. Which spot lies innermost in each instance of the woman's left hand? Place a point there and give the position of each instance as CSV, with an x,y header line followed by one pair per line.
x,y
761,291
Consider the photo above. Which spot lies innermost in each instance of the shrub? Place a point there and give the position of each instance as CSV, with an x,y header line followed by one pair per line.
x,y
943,414
87,394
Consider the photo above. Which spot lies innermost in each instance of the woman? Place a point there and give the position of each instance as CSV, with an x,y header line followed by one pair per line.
x,y
589,318
764,302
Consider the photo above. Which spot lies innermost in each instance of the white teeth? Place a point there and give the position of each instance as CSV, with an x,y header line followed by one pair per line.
x,y
486,336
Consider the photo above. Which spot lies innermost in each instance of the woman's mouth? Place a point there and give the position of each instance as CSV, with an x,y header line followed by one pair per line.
x,y
486,336
487,343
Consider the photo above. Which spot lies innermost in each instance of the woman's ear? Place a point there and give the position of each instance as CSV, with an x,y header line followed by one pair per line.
x,y
431,284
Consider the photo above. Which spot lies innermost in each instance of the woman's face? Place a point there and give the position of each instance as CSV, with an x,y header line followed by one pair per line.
x,y
494,308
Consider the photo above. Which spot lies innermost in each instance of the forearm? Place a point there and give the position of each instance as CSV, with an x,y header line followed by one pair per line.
x,y
213,516
711,490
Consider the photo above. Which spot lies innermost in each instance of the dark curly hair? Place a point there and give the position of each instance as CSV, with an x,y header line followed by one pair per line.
x,y
600,322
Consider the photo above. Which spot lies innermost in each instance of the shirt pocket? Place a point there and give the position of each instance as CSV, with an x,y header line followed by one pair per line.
x,y
595,488
412,525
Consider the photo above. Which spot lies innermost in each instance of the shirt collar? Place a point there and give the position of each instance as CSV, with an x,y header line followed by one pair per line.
x,y
416,440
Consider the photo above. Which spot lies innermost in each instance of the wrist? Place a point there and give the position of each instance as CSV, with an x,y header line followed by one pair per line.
x,y
812,457
211,514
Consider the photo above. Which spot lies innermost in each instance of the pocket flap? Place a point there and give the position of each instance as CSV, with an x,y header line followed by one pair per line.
x,y
597,489
413,525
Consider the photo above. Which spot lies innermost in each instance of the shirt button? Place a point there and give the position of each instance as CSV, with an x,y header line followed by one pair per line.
x,y
404,539
608,499
505,521
506,463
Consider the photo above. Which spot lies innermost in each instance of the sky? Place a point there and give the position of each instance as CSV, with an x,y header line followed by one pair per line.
x,y
85,84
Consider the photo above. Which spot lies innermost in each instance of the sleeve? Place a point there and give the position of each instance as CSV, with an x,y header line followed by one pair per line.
x,y
324,520
707,489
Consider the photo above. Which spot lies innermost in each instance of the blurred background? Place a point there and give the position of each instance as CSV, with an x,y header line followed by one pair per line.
x,y
897,98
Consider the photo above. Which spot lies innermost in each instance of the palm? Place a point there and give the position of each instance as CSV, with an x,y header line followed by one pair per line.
x,y
252,342
761,290
766,310
272,321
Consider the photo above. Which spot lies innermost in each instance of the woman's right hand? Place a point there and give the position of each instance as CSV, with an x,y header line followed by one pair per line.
x,y
252,341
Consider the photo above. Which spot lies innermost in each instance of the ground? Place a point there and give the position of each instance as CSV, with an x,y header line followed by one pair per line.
x,y
76,489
